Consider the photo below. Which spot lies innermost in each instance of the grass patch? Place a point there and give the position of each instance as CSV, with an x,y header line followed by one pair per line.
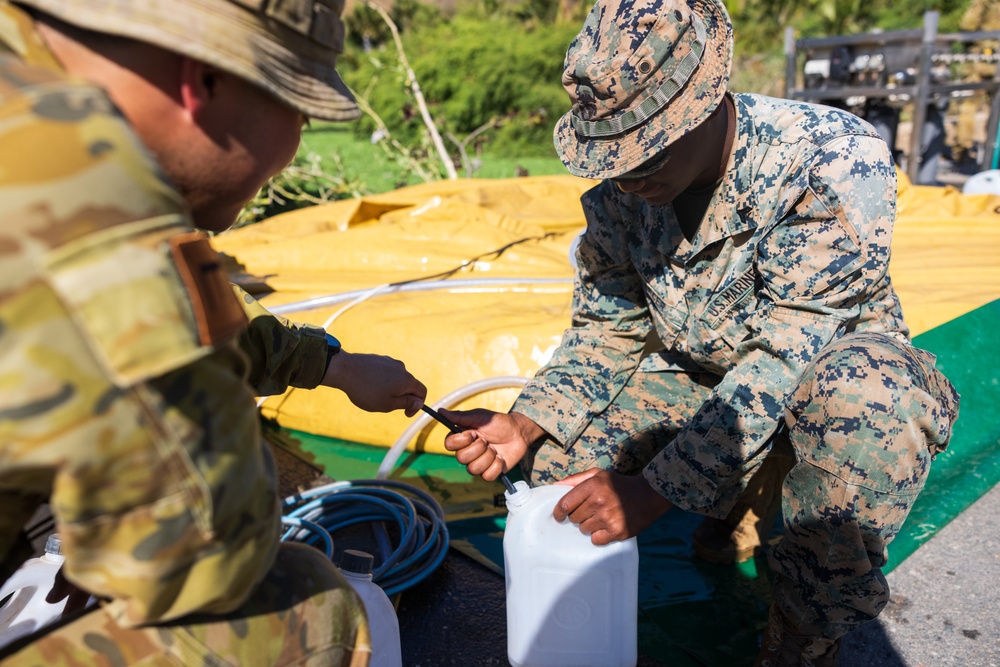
x,y
374,170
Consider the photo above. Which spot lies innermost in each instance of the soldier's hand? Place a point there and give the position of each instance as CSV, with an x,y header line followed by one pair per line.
x,y
375,383
610,506
492,442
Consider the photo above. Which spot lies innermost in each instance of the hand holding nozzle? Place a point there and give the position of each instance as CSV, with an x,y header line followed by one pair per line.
x,y
455,429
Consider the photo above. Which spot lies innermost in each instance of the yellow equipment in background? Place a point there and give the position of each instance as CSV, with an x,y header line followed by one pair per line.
x,y
469,283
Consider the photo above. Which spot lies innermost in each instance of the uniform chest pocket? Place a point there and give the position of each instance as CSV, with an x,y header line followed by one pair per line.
x,y
724,316
667,306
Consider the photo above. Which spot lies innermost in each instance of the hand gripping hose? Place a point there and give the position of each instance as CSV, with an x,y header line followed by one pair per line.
x,y
311,517
477,387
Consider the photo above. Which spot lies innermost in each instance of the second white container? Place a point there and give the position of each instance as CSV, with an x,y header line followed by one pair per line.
x,y
569,603
383,624
26,609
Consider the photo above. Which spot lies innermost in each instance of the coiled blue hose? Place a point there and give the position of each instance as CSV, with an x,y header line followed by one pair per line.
x,y
312,516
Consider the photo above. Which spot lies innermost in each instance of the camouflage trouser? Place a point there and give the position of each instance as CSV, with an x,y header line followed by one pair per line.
x,y
303,613
863,424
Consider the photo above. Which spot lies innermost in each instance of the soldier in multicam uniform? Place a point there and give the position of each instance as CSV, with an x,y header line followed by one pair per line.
x,y
124,400
733,320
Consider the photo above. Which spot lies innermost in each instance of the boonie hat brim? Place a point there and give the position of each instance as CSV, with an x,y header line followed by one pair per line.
x,y
632,128
298,69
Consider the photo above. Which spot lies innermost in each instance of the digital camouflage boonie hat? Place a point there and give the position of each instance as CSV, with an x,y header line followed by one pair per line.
x,y
287,47
641,74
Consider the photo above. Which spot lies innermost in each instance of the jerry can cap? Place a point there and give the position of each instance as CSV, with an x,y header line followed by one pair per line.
x,y
359,562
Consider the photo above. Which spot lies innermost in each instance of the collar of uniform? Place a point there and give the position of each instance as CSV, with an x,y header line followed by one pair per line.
x,y
731,210
19,35
743,197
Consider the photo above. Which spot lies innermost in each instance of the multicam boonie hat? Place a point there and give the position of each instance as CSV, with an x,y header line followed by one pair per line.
x,y
287,47
641,74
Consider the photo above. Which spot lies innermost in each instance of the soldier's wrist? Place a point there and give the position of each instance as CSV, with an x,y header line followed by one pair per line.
x,y
332,348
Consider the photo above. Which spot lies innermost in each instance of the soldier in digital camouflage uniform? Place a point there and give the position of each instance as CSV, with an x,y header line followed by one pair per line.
x,y
124,400
732,306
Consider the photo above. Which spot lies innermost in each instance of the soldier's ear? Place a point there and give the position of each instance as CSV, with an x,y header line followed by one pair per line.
x,y
197,85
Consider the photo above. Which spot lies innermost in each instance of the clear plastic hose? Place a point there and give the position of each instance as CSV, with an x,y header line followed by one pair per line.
x,y
424,286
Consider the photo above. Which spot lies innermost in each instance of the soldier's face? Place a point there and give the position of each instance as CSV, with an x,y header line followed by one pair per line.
x,y
253,137
675,176
694,162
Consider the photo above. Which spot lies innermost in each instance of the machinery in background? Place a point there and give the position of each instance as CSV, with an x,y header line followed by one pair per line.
x,y
881,76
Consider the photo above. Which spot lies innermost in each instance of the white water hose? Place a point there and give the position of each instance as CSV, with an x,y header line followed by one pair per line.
x,y
478,387
491,284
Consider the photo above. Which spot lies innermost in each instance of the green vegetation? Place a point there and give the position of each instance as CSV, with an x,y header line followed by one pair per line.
x,y
490,74
379,170
494,72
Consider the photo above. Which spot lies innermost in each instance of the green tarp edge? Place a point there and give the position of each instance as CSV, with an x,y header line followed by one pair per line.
x,y
968,353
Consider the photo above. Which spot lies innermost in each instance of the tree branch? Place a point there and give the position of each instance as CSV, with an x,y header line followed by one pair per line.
x,y
449,166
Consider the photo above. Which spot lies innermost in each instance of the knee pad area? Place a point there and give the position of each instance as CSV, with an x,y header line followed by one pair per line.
x,y
861,414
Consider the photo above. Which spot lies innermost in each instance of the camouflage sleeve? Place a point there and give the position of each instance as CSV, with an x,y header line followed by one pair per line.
x,y
826,249
282,353
122,392
161,487
611,322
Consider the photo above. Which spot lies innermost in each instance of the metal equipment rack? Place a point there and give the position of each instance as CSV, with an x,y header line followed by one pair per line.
x,y
893,70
